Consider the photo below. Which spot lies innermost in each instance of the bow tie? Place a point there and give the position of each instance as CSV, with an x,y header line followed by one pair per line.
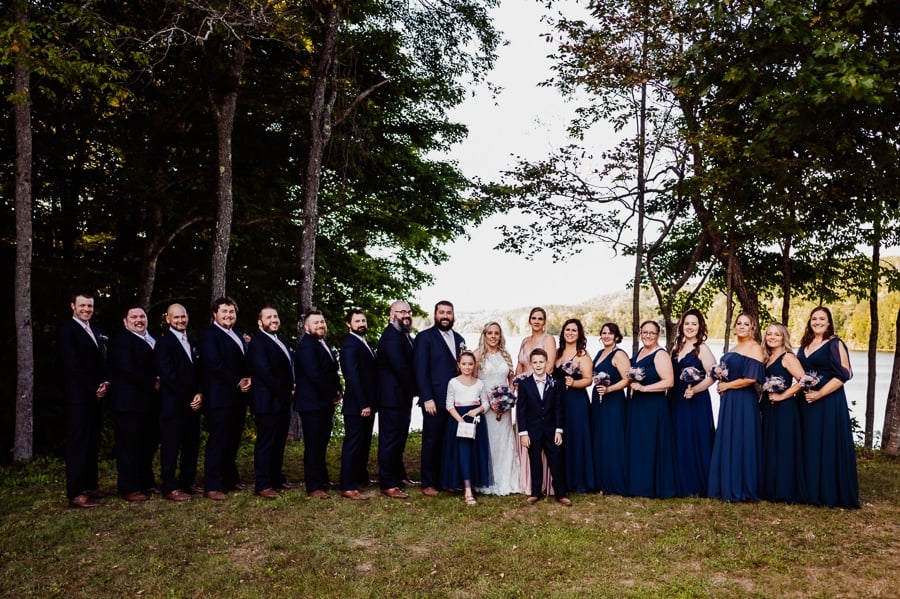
x,y
541,381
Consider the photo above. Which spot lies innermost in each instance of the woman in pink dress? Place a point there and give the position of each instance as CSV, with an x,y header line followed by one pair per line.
x,y
537,320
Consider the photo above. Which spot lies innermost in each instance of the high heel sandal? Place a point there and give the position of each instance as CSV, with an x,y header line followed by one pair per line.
x,y
470,500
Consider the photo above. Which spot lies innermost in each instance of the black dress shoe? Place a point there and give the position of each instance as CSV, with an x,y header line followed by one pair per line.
x,y
194,490
287,486
408,482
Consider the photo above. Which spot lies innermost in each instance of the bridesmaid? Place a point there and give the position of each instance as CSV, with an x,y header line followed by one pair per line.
x,y
608,412
572,369
495,369
828,448
651,463
736,467
537,320
782,441
691,407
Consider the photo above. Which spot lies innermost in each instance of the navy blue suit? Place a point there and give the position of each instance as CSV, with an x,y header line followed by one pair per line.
x,y
225,405
179,382
134,402
318,387
83,367
361,388
396,389
273,389
434,365
540,417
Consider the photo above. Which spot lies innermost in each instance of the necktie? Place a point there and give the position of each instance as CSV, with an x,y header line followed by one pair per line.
x,y
327,349
87,327
150,340
186,346
448,339
236,339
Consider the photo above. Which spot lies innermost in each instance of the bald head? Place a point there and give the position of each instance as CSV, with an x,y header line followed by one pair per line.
x,y
177,317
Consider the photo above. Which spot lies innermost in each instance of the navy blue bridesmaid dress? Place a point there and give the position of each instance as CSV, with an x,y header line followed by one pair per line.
x,y
693,428
608,431
829,453
736,467
577,450
783,476
651,449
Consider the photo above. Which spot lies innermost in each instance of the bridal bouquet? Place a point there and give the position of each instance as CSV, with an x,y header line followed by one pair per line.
x,y
636,373
602,379
719,372
774,384
809,379
502,399
692,375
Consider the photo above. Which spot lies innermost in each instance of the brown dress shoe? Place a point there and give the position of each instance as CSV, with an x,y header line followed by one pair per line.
x,y
178,495
565,501
354,494
319,494
82,502
430,492
269,493
216,495
395,493
135,496
287,486
533,499
194,490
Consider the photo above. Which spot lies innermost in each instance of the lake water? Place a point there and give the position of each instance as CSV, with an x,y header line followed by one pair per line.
x,y
855,388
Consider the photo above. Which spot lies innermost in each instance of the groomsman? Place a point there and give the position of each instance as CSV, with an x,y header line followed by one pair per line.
x,y
434,360
177,361
358,367
134,401
226,383
272,369
396,394
82,360
318,391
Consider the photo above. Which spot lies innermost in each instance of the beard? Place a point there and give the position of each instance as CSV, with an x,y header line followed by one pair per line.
x,y
445,324
361,331
404,324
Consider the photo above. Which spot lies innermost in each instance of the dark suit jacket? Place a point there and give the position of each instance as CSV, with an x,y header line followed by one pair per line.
x,y
82,362
273,376
224,365
179,377
360,377
317,377
434,365
132,374
540,417
396,378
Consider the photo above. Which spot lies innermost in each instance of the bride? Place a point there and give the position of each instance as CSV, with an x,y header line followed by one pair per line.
x,y
495,368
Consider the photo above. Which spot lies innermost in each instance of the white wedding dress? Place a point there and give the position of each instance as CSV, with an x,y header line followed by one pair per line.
x,y
502,435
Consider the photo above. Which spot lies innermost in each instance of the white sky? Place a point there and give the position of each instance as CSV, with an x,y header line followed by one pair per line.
x,y
524,120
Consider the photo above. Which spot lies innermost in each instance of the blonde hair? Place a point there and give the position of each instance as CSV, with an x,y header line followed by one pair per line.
x,y
483,350
785,339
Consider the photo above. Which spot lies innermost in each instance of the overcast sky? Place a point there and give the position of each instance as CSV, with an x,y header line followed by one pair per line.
x,y
530,121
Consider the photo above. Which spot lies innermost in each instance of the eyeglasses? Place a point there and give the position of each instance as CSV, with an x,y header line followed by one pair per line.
x,y
649,334
402,311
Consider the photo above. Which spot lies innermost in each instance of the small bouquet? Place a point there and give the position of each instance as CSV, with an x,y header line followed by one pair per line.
x,y
570,367
518,379
719,372
774,384
602,379
691,375
502,399
809,379
636,373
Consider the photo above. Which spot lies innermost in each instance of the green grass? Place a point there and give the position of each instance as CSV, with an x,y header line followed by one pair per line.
x,y
298,547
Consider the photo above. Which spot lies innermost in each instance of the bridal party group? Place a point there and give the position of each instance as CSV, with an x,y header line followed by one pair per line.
x,y
644,426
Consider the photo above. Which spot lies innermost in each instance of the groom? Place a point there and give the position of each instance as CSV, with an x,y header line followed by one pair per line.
x,y
540,413
434,361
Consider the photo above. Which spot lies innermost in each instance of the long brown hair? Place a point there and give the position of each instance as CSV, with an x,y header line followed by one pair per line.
x,y
808,334
702,332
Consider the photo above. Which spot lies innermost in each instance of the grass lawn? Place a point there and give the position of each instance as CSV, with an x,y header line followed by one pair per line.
x,y
300,547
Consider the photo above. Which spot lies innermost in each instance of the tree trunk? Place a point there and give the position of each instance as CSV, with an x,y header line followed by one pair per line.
x,y
641,191
24,434
223,103
890,432
729,302
786,279
873,331
321,107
